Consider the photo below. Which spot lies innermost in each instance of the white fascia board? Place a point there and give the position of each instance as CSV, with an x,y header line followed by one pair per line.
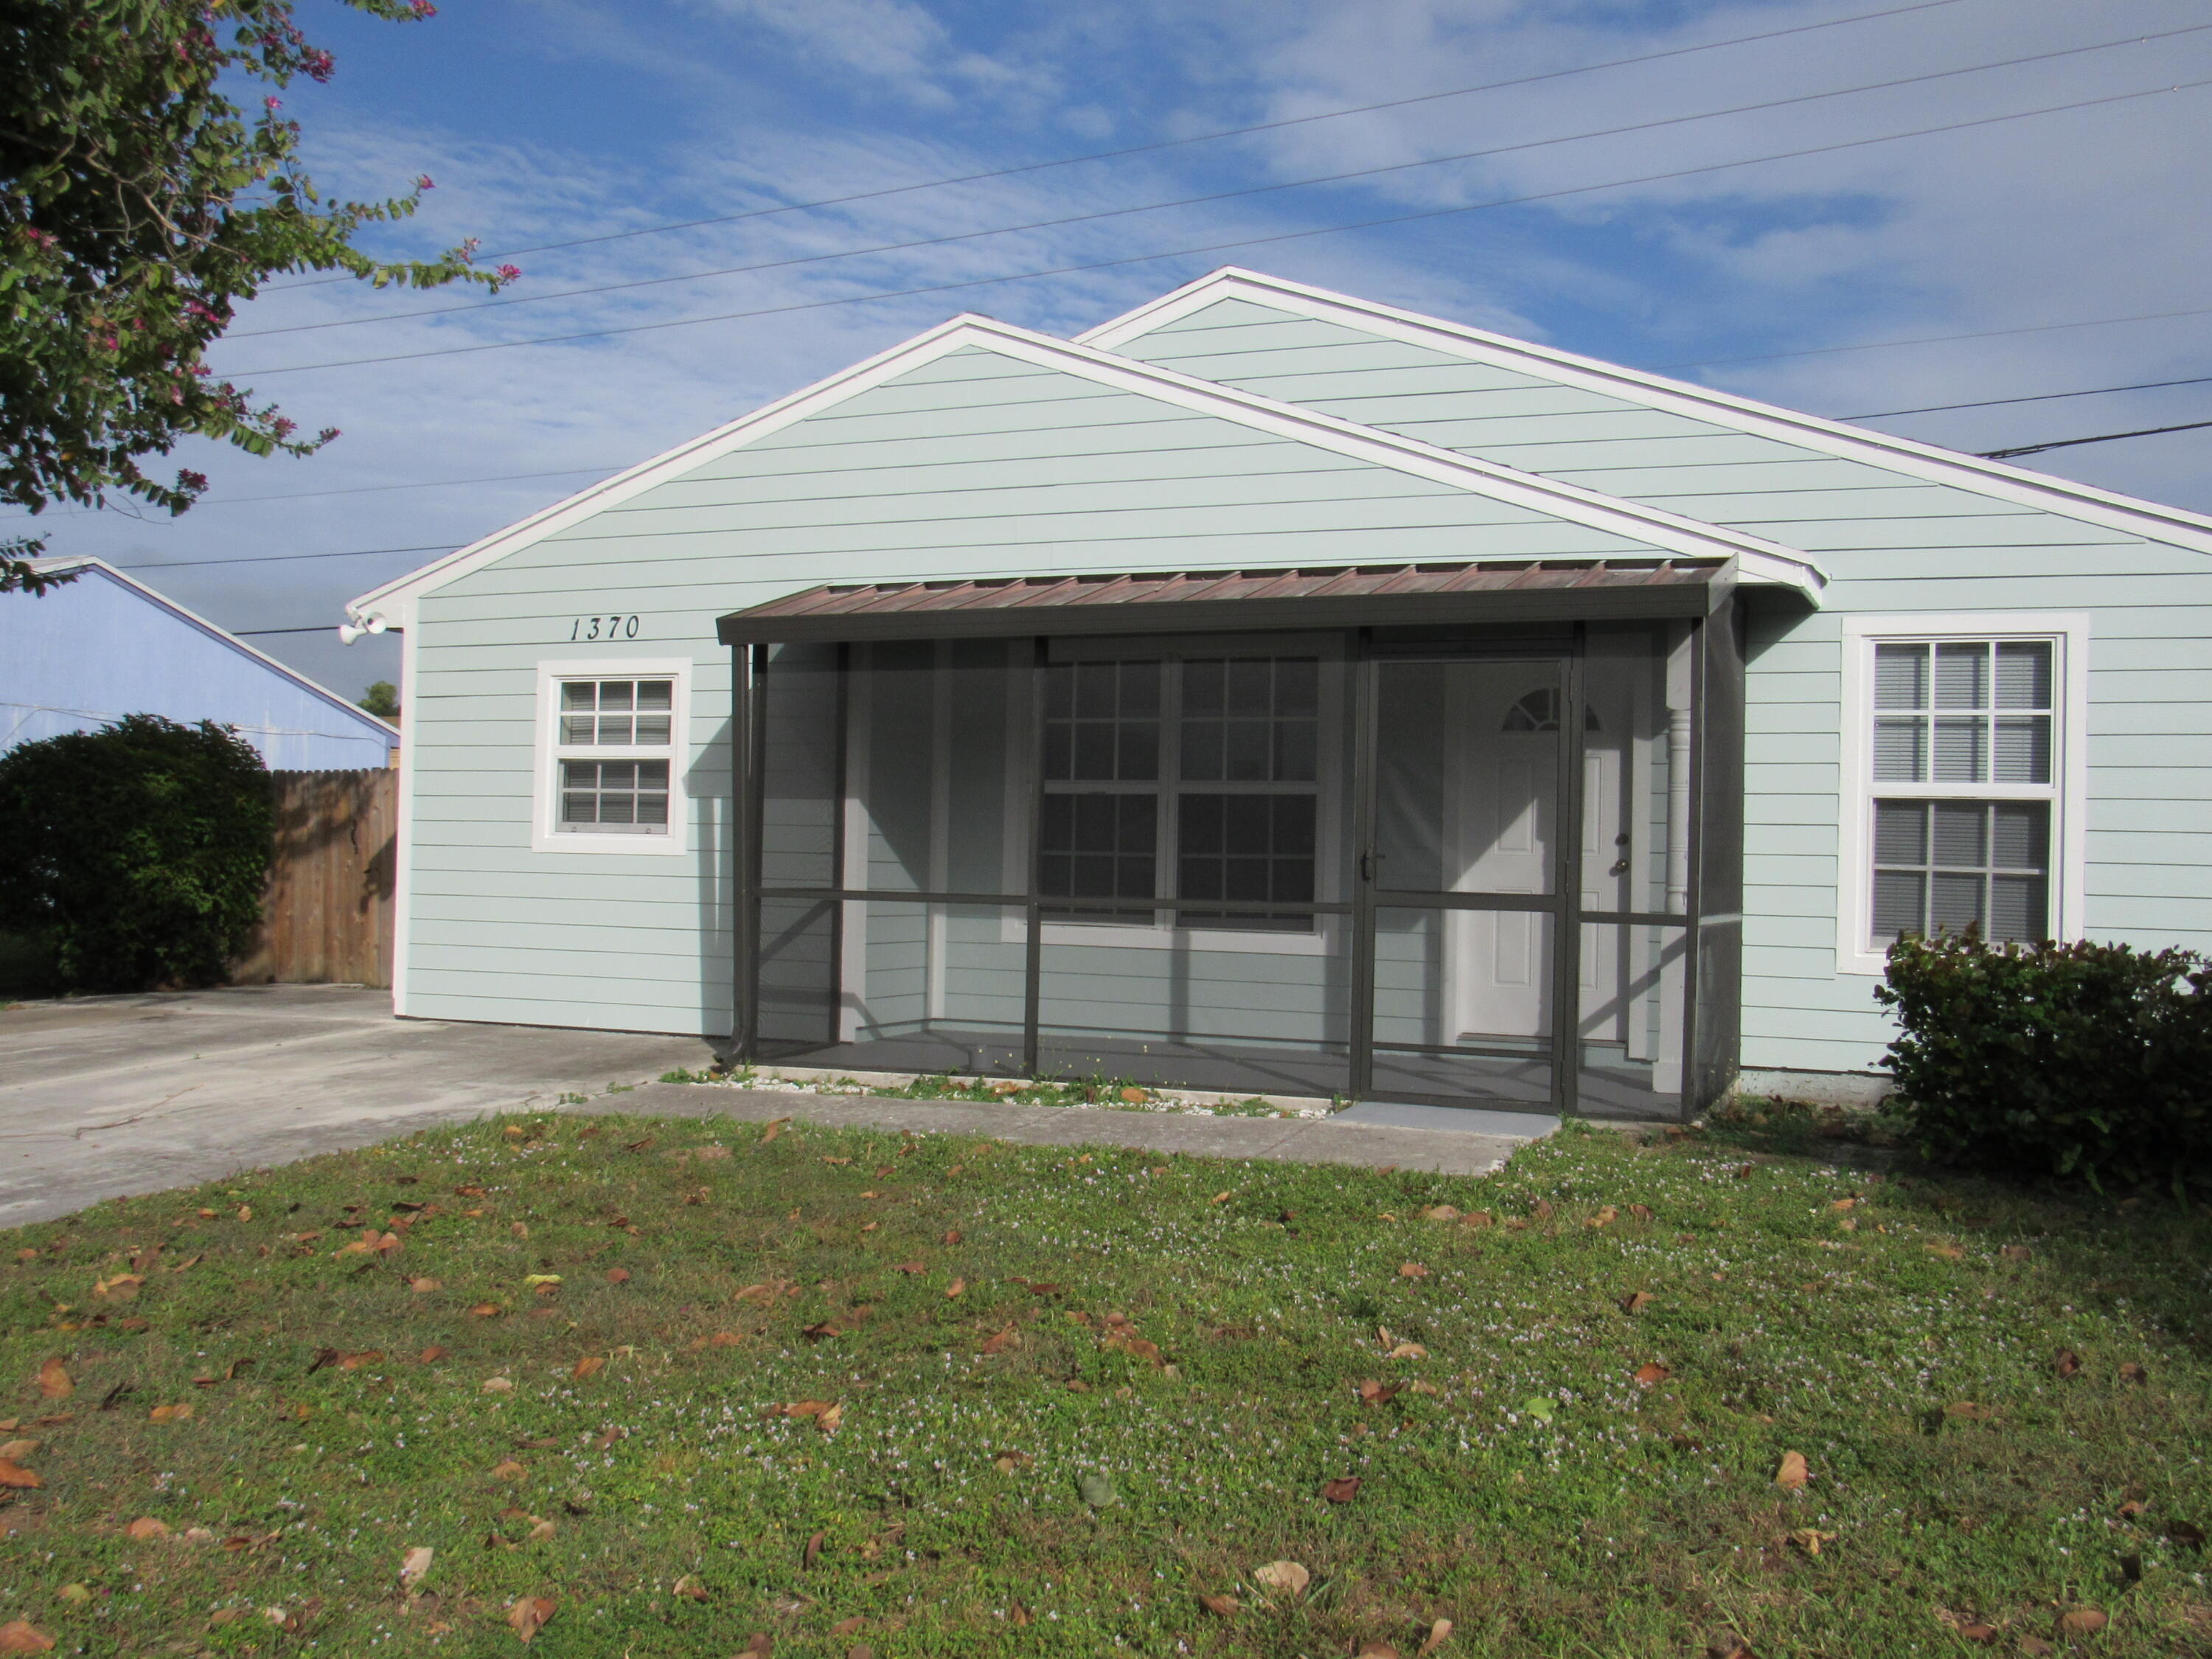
x,y
1759,561
51,566
2150,519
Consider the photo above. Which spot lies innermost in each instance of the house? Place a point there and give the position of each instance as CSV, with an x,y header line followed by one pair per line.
x,y
85,654
1270,689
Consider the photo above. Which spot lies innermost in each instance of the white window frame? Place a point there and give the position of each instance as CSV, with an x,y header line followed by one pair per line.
x,y
2068,633
545,834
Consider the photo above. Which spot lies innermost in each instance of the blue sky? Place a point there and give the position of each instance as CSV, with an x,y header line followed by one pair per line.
x,y
546,121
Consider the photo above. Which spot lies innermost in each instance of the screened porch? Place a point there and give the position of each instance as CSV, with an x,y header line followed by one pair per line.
x,y
1447,835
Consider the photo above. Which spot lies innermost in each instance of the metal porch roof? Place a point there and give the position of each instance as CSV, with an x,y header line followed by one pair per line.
x,y
1209,600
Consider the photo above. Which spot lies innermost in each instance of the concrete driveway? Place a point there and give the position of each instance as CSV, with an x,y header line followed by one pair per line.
x,y
109,1095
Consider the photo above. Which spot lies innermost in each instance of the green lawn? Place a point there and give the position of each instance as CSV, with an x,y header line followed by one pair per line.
x,y
1151,1372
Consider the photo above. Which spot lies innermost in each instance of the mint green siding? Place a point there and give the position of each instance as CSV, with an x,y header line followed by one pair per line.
x,y
1891,542
976,464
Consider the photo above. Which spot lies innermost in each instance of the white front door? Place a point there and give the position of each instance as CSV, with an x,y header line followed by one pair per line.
x,y
1501,819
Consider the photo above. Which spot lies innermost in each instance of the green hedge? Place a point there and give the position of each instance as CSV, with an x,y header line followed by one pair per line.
x,y
136,854
2082,1061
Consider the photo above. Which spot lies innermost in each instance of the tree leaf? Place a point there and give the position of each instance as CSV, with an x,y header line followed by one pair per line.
x,y
1636,1302
55,1384
1342,1490
690,1587
508,1470
22,1636
812,1552
772,1129
1412,1270
146,1527
1439,1634
414,1564
2067,1363
1283,1578
1222,1607
531,1615
1651,1373
2082,1621
999,1342
169,1413
955,1288
1792,1475
618,1275
590,1364
15,1476
1096,1490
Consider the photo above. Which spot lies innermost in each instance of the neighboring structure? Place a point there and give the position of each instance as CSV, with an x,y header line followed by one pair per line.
x,y
1275,691
85,654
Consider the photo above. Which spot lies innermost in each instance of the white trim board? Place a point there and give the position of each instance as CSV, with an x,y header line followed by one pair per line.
x,y
1759,560
2017,485
2069,769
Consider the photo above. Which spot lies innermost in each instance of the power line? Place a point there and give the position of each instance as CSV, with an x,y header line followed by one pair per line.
x,y
2037,398
258,633
1174,143
1218,247
1205,200
2101,438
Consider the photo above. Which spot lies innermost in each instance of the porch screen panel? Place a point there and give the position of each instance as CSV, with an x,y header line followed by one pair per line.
x,y
936,794
1629,1022
797,975
930,987
801,747
1463,1002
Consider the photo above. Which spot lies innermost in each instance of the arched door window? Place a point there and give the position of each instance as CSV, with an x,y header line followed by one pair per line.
x,y
1539,711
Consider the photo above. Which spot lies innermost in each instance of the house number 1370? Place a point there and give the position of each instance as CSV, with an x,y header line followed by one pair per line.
x,y
603,628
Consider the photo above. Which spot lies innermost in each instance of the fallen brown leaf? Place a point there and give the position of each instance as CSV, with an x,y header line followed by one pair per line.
x,y
1977,1632
54,1380
759,1645
1948,1252
1604,1218
2082,1621
1477,1218
1727,1644
588,1366
1283,1578
618,1275
812,1552
414,1564
690,1587
2068,1362
1342,1490
168,1413
431,1355
2132,1372
1412,1270
1372,1392
145,1526
1222,1607
1440,1213
772,1128
1792,1475
955,1288
1651,1373
1641,1211
1636,1302
1376,1648
22,1636
1000,1341
484,1310
508,1470
1809,1540
531,1615
1439,1634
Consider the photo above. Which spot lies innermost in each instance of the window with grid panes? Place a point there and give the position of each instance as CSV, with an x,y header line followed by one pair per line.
x,y
1964,788
603,794
1216,758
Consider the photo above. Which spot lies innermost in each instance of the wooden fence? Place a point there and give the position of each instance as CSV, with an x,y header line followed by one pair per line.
x,y
328,918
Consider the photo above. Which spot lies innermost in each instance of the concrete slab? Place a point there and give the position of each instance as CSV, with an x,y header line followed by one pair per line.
x,y
105,1096
1479,1120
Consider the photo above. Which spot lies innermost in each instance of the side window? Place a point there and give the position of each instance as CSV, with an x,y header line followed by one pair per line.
x,y
609,754
1961,805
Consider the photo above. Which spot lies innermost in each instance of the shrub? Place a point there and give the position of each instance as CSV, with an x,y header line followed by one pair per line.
x,y
137,853
2086,1061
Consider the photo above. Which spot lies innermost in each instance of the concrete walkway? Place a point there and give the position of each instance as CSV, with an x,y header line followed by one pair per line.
x,y
1288,1140
109,1095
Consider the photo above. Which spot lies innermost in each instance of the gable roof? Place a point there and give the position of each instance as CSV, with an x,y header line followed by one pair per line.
x,y
63,566
1760,561
2017,485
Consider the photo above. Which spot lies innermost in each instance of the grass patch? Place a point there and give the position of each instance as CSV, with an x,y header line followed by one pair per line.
x,y
590,1361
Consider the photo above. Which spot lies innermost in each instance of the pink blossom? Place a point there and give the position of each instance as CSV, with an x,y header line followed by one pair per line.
x,y
426,182
326,434
273,103
508,273
424,9
195,482
318,63
43,238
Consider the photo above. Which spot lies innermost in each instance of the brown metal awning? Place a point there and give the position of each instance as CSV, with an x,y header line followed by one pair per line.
x,y
1205,601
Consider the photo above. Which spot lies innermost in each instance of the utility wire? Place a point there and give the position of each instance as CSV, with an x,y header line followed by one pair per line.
x,y
1174,143
2101,438
2037,398
1929,339
1205,200
280,558
258,633
1217,247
